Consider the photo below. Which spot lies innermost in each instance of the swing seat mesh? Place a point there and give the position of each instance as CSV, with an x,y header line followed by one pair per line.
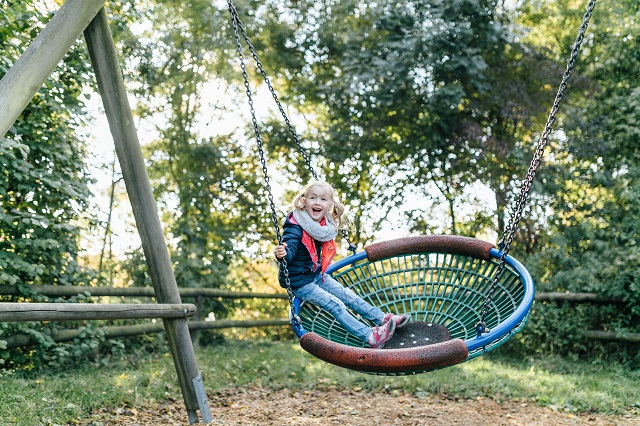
x,y
442,280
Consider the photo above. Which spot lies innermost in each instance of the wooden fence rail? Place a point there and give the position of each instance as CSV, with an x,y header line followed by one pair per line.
x,y
70,291
16,312
9,313
109,332
611,336
575,297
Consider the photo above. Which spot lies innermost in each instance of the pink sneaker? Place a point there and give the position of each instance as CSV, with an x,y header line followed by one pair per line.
x,y
401,320
380,334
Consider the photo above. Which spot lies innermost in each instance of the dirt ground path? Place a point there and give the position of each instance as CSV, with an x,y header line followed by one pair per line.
x,y
351,407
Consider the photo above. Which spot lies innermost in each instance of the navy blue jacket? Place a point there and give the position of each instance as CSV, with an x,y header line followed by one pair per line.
x,y
300,265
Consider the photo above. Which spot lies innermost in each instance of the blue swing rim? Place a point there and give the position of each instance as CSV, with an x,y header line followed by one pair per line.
x,y
497,333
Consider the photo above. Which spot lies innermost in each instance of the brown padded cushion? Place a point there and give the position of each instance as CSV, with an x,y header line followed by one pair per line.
x,y
407,360
430,243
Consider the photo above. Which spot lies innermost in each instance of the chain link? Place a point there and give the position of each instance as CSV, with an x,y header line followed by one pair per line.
x,y
295,320
510,229
238,28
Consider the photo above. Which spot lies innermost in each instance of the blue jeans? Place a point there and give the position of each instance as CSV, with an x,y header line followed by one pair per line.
x,y
335,298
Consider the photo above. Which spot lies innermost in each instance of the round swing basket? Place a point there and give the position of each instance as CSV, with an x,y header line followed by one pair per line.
x,y
443,283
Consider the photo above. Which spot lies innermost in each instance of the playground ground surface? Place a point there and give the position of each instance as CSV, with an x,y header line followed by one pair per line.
x,y
331,405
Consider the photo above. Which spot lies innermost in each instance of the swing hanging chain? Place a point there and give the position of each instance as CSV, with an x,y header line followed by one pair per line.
x,y
257,132
238,28
266,79
507,240
350,245
295,320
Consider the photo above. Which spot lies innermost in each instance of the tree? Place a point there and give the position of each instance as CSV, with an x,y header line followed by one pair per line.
x,y
43,183
404,99
594,235
206,182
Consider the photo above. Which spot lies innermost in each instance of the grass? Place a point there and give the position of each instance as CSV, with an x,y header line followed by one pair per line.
x,y
65,397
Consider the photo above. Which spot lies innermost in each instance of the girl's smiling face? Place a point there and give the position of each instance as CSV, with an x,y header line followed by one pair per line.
x,y
317,203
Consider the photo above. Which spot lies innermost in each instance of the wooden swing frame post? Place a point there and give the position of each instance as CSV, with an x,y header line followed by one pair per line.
x,y
104,59
22,82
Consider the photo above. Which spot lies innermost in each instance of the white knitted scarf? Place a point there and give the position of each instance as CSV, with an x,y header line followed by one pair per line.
x,y
321,233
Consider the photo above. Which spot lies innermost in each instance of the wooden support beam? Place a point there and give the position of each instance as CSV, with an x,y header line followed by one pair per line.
x,y
105,63
134,172
31,70
17,312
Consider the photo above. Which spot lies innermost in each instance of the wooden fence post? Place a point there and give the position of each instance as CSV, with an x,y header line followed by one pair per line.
x,y
196,334
114,96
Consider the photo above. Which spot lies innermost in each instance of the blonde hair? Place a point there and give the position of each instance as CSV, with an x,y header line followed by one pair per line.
x,y
337,209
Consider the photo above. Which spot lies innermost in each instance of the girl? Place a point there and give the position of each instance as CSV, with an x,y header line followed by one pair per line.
x,y
308,247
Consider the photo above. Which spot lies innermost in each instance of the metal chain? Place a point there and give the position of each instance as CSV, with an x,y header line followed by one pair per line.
x,y
254,55
510,229
238,26
295,320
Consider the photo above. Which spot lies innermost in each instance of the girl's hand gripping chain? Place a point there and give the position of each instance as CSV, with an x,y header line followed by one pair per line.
x,y
281,250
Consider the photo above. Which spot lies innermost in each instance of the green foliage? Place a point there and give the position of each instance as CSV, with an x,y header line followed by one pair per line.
x,y
401,100
422,100
593,241
406,100
208,185
43,186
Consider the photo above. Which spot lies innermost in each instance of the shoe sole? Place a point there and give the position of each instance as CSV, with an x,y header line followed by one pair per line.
x,y
403,323
392,328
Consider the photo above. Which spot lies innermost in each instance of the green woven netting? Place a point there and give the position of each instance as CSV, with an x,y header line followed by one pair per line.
x,y
438,288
